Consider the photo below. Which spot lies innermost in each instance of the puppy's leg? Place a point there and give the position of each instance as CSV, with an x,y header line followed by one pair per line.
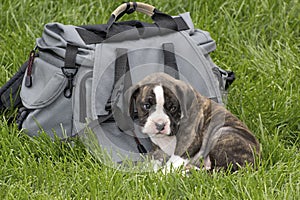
x,y
207,163
158,154
232,149
158,158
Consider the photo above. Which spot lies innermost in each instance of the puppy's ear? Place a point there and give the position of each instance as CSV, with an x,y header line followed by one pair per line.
x,y
135,93
132,102
123,108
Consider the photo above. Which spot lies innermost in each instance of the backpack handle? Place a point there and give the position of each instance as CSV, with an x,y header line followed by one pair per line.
x,y
130,7
162,20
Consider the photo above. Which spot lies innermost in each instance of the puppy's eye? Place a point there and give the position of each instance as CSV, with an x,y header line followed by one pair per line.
x,y
147,106
173,108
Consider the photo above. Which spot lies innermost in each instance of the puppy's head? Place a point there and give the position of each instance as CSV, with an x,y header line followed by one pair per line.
x,y
159,110
162,103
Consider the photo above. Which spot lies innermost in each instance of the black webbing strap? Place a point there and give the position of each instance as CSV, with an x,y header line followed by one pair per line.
x,y
166,21
11,90
181,24
70,69
70,56
91,36
94,34
140,146
171,67
121,72
121,69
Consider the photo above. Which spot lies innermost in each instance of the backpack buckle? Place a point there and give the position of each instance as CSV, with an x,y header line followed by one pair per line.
x,y
70,73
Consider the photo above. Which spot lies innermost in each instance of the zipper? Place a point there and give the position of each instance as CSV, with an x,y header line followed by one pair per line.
x,y
82,97
28,78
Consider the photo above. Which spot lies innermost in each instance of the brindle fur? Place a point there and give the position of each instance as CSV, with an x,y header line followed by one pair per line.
x,y
234,148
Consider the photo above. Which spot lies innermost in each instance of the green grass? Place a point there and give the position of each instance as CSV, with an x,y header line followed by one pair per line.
x,y
259,40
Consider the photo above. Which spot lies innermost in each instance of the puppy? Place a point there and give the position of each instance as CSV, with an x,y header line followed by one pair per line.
x,y
188,128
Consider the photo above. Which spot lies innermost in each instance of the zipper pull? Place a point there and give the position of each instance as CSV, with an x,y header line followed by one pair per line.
x,y
28,78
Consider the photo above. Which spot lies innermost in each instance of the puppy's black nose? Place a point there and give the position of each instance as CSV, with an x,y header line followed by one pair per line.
x,y
160,126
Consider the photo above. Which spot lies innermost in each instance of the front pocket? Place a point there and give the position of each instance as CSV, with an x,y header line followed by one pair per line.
x,y
55,118
50,110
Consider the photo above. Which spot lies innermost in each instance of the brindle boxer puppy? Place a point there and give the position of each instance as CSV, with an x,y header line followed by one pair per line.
x,y
188,127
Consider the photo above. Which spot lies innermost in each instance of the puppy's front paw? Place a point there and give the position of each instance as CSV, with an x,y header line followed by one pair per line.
x,y
207,163
156,165
174,163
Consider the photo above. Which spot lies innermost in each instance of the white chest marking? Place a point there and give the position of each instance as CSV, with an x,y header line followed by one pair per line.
x,y
166,143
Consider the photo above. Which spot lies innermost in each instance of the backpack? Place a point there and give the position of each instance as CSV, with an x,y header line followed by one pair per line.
x,y
65,88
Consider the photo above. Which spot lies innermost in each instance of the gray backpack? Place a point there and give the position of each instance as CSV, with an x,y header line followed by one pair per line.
x,y
68,81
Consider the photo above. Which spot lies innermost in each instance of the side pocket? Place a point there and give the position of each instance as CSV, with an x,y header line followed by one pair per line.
x,y
82,99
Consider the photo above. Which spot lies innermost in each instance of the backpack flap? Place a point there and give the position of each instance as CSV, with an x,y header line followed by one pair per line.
x,y
48,84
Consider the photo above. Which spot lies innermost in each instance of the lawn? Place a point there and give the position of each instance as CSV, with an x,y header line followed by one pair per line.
x,y
258,40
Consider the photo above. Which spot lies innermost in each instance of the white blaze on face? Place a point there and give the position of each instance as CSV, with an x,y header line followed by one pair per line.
x,y
158,116
159,96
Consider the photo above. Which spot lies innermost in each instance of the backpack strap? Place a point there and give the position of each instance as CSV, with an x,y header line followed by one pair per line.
x,y
70,69
70,56
171,67
10,91
121,71
121,68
